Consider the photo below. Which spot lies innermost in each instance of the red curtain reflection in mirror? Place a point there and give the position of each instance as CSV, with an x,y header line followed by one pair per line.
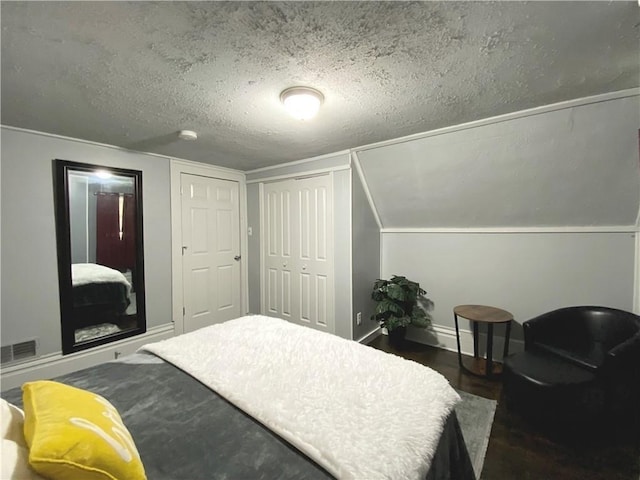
x,y
115,242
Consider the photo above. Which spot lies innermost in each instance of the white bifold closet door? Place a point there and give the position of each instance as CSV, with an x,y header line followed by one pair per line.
x,y
298,251
211,251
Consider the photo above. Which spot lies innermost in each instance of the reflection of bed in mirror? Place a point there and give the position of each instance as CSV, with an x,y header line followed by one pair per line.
x,y
100,295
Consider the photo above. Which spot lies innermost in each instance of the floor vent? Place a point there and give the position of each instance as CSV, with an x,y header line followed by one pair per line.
x,y
18,351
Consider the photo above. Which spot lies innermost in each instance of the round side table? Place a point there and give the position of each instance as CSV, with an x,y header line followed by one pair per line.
x,y
483,314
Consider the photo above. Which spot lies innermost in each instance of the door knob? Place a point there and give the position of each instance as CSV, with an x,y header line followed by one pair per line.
x,y
237,258
304,267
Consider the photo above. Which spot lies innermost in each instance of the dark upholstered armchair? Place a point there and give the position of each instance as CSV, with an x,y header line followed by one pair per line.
x,y
579,362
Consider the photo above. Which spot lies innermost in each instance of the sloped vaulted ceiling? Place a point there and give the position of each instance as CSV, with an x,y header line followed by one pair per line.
x,y
573,166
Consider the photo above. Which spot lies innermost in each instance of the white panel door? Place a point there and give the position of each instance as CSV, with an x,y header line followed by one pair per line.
x,y
277,246
298,252
211,251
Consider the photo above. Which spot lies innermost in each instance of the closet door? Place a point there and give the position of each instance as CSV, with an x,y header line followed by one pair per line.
x,y
298,251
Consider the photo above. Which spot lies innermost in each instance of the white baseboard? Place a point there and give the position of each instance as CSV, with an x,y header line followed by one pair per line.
x,y
55,364
369,336
636,276
445,337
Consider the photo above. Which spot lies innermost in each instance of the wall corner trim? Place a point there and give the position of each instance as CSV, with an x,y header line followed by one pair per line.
x,y
636,276
365,186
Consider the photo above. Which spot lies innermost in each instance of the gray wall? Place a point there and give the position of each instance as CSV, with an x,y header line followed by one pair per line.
x,y
573,166
78,218
342,252
92,224
365,258
525,273
253,246
559,168
30,302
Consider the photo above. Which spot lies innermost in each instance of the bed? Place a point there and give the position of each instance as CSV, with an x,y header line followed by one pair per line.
x,y
184,429
100,294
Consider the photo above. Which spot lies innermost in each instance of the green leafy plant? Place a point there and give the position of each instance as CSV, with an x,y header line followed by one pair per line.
x,y
398,303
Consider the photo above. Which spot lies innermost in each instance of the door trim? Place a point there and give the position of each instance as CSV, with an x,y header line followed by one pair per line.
x,y
178,167
636,279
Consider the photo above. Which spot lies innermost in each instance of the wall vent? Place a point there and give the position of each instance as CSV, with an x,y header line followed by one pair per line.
x,y
18,351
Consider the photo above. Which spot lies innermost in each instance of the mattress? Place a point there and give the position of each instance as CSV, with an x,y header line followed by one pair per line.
x,y
184,430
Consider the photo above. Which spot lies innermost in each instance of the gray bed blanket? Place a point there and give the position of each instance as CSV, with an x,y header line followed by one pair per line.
x,y
185,431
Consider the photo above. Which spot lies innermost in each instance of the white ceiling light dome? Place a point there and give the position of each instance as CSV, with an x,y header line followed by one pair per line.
x,y
188,135
302,103
104,174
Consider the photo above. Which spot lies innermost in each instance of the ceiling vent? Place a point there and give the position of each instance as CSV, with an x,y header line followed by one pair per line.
x,y
18,352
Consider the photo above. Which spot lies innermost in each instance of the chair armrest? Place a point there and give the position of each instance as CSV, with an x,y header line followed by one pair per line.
x,y
627,352
539,328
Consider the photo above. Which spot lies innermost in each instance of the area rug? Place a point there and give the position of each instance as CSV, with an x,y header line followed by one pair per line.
x,y
96,331
475,415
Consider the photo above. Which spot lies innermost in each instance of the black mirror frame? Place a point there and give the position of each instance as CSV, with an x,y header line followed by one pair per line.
x,y
63,234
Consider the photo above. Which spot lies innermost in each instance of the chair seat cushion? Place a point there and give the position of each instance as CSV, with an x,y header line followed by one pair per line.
x,y
545,370
547,388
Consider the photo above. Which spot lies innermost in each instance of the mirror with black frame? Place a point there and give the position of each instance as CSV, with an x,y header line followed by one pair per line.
x,y
100,254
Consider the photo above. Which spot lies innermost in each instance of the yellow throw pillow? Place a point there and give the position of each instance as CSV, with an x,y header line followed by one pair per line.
x,y
75,434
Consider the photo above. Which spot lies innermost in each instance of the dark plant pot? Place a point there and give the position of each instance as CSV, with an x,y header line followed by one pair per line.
x,y
397,336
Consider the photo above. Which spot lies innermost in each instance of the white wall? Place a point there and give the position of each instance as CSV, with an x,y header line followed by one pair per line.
x,y
30,302
524,273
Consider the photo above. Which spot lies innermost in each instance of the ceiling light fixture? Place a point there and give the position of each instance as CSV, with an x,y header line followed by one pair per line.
x,y
104,174
187,135
302,103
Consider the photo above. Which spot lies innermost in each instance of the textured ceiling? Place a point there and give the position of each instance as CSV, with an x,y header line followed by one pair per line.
x,y
133,74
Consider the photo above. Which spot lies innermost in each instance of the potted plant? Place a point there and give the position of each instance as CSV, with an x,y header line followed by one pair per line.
x,y
398,305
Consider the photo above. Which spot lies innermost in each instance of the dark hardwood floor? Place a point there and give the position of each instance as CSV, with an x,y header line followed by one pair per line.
x,y
522,450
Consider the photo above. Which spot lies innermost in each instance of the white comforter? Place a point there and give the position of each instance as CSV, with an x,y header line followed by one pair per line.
x,y
86,273
357,411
